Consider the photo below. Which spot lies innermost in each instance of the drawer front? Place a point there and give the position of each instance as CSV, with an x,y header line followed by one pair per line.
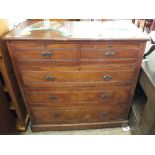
x,y
46,77
109,54
77,115
44,53
47,55
78,96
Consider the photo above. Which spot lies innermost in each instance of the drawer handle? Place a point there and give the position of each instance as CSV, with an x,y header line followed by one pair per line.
x,y
104,114
109,53
106,95
46,54
49,78
107,77
53,98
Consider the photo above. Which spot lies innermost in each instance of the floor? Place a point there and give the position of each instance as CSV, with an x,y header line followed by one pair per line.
x,y
105,131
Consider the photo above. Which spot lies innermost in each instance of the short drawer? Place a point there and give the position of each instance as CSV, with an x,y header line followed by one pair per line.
x,y
77,115
46,55
47,77
54,98
109,51
109,54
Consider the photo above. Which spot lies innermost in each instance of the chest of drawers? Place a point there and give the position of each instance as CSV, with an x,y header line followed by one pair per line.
x,y
71,82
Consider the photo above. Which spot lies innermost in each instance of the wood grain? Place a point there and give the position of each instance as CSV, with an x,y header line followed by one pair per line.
x,y
80,81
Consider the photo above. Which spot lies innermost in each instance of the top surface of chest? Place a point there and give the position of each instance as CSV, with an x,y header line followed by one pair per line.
x,y
65,31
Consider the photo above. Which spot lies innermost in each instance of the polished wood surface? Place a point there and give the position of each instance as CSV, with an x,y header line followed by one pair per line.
x,y
11,87
46,77
78,81
95,31
7,124
73,115
3,30
79,96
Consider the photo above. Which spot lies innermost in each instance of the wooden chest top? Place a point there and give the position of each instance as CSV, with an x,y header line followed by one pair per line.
x,y
69,30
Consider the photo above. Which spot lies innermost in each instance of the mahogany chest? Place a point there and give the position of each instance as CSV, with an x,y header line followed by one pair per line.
x,y
76,75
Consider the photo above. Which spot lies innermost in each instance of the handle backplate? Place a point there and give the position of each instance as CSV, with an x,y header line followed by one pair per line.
x,y
49,78
46,54
109,53
53,98
105,95
107,77
104,114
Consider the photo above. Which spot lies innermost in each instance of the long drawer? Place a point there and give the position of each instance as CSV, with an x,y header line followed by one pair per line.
x,y
53,97
77,115
49,77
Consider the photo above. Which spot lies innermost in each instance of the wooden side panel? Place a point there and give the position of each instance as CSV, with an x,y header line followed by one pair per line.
x,y
10,81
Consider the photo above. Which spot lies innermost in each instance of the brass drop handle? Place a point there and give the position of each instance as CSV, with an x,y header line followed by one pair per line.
x,y
104,114
53,98
46,54
49,78
106,95
107,77
109,53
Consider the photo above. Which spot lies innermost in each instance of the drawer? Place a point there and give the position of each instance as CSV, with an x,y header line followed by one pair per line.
x,y
109,54
69,97
77,115
46,55
47,77
108,51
